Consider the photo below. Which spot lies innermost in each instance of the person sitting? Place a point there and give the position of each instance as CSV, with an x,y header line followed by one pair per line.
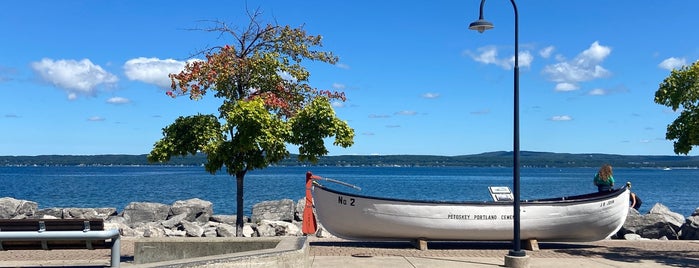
x,y
635,201
604,179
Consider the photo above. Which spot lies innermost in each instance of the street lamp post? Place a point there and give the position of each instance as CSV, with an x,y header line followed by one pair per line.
x,y
481,25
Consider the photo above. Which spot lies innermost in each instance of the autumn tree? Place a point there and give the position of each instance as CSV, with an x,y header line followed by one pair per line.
x,y
267,104
680,91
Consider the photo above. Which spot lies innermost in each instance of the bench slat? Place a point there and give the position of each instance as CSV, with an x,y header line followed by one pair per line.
x,y
50,224
56,244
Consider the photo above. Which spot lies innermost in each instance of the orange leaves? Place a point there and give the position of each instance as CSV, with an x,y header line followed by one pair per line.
x,y
333,95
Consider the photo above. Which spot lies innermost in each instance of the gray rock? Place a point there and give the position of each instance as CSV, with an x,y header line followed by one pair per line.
x,y
175,233
150,229
661,222
210,232
278,228
632,237
225,230
228,219
141,212
124,229
298,212
264,230
192,229
673,218
279,210
11,208
174,220
116,219
57,213
690,228
197,210
88,213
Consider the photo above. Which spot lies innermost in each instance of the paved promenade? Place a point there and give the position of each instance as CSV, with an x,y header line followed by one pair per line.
x,y
606,253
333,252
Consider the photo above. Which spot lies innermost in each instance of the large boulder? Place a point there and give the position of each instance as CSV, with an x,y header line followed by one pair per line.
x,y
143,212
225,230
174,221
279,210
658,223
13,208
192,229
673,218
690,229
197,210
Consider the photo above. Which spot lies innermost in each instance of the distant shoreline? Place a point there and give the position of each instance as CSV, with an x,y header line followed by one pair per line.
x,y
490,159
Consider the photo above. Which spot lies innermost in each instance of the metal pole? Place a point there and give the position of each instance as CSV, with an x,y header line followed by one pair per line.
x,y
517,248
482,25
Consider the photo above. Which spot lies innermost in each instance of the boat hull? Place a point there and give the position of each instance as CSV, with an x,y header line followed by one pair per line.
x,y
590,217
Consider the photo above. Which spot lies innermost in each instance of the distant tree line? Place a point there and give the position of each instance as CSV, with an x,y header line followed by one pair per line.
x,y
490,159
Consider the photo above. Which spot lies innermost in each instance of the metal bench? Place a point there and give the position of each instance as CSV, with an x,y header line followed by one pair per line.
x,y
50,234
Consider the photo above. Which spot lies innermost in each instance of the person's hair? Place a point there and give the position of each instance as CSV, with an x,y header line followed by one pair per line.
x,y
605,172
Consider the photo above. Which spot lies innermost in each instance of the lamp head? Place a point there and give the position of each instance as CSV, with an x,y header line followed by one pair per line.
x,y
481,25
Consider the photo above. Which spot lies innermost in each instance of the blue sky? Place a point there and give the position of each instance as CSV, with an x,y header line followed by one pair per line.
x,y
89,77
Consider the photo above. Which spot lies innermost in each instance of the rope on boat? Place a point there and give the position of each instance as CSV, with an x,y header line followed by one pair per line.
x,y
342,183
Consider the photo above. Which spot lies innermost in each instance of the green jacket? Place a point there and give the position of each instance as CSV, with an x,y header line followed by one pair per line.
x,y
600,182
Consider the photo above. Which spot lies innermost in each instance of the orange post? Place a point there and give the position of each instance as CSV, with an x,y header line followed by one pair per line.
x,y
309,220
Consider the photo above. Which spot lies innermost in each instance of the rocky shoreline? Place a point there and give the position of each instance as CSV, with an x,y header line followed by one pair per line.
x,y
195,218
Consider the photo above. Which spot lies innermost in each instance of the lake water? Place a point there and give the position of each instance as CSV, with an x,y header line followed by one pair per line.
x,y
117,186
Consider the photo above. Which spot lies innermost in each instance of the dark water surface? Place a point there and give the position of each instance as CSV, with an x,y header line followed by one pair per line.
x,y
116,186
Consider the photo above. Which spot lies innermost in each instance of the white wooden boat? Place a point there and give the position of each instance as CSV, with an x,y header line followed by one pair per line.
x,y
588,217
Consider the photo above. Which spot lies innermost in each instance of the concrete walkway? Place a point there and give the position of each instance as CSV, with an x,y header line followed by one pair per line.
x,y
333,252
607,253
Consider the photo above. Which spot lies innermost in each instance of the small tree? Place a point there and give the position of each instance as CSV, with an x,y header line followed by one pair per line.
x,y
680,90
267,104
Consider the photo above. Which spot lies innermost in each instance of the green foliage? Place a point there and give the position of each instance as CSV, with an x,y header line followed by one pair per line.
x,y
313,124
680,91
187,135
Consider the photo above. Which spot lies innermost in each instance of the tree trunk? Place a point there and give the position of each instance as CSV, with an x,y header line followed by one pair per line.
x,y
239,204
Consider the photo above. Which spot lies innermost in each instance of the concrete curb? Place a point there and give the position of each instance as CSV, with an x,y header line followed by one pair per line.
x,y
289,252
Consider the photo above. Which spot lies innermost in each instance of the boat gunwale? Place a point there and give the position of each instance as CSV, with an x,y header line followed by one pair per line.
x,y
583,198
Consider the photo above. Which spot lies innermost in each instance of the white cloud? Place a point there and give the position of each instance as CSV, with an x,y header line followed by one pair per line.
x,y
379,116
406,112
584,67
118,100
561,118
597,92
338,86
75,77
95,119
672,63
525,59
546,52
342,66
566,87
430,95
153,70
489,55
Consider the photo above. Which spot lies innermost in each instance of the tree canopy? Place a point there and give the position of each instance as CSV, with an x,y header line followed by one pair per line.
x,y
680,91
267,103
